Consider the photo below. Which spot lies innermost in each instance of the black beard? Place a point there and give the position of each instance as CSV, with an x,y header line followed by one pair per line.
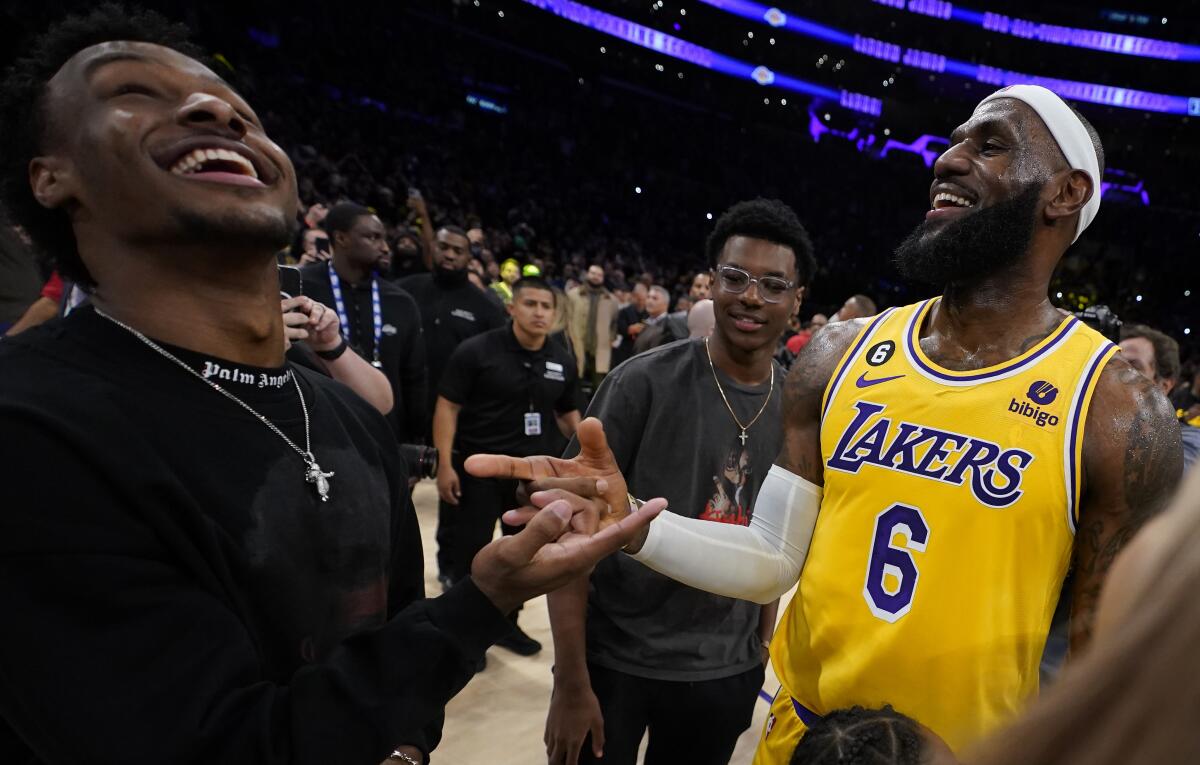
x,y
985,242
449,277
238,232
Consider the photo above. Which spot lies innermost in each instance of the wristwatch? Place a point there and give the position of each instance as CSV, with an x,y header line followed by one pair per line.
x,y
408,759
334,353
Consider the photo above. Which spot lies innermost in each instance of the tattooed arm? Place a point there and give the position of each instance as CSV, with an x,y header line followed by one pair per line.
x,y
802,395
1132,462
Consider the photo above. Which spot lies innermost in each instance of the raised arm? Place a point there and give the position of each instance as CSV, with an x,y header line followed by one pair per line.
x,y
1132,462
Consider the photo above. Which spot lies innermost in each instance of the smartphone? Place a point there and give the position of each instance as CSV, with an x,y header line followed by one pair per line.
x,y
323,247
290,283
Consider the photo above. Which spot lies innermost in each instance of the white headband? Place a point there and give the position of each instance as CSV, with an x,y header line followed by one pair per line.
x,y
1070,134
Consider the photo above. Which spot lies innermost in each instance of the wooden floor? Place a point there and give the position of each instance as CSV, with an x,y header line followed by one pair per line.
x,y
498,719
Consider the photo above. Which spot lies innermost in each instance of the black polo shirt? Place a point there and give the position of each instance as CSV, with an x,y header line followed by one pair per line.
x,y
402,349
450,314
496,382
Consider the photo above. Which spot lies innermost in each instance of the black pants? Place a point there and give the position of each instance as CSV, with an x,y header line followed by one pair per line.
x,y
696,723
473,520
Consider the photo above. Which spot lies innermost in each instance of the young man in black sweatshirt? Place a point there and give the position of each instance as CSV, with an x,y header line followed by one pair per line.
x,y
206,554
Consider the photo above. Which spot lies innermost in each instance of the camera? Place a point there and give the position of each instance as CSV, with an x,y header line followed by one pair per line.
x,y
1102,319
421,461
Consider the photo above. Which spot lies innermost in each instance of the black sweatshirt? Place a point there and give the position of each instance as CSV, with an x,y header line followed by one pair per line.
x,y
174,591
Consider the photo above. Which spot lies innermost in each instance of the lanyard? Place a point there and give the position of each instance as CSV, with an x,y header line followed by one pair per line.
x,y
335,285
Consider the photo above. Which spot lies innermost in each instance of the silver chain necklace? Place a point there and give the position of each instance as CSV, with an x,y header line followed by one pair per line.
x,y
312,474
720,389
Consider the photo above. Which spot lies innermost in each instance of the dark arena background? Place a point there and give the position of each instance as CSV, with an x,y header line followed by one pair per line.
x,y
615,129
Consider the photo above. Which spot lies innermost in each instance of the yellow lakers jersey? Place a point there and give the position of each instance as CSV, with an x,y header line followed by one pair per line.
x,y
945,530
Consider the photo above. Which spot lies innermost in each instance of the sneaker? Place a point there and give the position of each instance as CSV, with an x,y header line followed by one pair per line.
x,y
519,643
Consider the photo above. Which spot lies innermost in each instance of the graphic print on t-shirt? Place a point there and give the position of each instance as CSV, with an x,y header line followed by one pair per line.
x,y
732,488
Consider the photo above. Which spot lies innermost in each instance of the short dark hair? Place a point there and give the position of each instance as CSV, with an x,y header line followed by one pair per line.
x,y
24,121
533,283
1166,350
770,220
452,229
1097,144
859,736
343,216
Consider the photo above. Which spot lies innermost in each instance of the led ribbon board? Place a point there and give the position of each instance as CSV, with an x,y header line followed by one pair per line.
x,y
1093,39
674,47
1107,95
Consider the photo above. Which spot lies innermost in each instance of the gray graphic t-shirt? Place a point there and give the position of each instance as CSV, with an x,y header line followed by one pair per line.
x,y
673,437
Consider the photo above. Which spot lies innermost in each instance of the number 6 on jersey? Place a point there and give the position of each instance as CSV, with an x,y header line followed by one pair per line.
x,y
891,572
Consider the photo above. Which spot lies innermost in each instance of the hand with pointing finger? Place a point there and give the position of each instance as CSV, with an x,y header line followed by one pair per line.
x,y
594,463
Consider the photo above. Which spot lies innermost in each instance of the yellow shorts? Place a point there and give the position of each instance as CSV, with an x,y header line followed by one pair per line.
x,y
782,731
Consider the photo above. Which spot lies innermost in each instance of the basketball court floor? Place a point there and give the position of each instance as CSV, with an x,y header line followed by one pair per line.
x,y
500,716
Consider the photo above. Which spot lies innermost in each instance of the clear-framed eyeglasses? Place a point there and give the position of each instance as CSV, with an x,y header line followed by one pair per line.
x,y
772,289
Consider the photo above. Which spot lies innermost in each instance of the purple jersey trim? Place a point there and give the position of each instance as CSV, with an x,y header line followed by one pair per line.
x,y
862,339
1076,423
913,352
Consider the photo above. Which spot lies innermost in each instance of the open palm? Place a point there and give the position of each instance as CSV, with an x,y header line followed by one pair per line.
x,y
591,475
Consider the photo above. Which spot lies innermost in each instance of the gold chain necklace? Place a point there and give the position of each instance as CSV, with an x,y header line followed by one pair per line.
x,y
721,390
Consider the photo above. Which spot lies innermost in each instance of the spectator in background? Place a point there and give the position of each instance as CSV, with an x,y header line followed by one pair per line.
x,y
683,304
310,246
452,310
1186,398
313,327
855,307
315,215
478,240
592,309
506,391
510,272
658,331
407,259
1156,356
631,320
701,288
379,321
797,341
1152,353
701,319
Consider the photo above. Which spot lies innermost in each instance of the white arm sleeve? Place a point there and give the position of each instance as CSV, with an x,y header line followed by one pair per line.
x,y
758,562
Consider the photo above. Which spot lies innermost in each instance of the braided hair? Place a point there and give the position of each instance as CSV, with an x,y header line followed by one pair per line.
x,y
859,736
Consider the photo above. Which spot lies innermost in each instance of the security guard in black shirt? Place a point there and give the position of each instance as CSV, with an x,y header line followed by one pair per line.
x,y
507,391
452,310
380,321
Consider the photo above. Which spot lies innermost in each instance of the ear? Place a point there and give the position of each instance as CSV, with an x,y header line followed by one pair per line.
x,y
1074,191
52,181
509,309
799,300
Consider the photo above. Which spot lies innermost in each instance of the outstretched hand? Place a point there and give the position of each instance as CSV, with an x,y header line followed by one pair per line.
x,y
547,554
593,473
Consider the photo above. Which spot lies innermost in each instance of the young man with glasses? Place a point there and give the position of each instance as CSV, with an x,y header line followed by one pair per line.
x,y
699,421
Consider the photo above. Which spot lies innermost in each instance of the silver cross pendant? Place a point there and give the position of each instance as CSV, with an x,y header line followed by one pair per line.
x,y
318,479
